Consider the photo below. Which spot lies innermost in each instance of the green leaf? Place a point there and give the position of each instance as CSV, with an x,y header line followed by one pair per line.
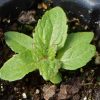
x,y
49,69
18,42
76,57
77,53
18,66
75,39
56,79
50,36
51,29
52,52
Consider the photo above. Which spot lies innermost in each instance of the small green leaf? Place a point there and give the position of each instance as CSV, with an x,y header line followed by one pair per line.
x,y
51,29
18,42
49,69
52,52
18,66
76,57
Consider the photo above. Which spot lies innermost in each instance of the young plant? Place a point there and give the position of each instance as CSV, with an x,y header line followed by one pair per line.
x,y
49,50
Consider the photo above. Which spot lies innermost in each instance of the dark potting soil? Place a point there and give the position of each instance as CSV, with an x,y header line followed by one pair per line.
x,y
82,84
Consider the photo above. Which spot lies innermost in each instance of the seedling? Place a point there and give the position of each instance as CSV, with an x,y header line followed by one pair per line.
x,y
49,50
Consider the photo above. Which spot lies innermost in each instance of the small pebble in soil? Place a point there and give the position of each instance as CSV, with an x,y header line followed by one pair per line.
x,y
2,88
37,91
85,98
97,59
24,95
15,89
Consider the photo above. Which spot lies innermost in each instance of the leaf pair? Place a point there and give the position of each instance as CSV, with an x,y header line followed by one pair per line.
x,y
49,50
22,62
50,36
77,50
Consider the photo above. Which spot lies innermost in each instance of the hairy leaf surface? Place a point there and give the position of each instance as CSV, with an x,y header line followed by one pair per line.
x,y
18,66
77,57
18,42
51,29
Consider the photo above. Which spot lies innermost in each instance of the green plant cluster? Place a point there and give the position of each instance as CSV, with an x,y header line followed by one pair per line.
x,y
50,49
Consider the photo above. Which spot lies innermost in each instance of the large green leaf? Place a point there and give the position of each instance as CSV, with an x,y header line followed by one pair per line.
x,y
18,42
77,56
74,39
77,50
51,29
18,66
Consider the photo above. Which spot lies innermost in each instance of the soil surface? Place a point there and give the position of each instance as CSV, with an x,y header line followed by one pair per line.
x,y
82,84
